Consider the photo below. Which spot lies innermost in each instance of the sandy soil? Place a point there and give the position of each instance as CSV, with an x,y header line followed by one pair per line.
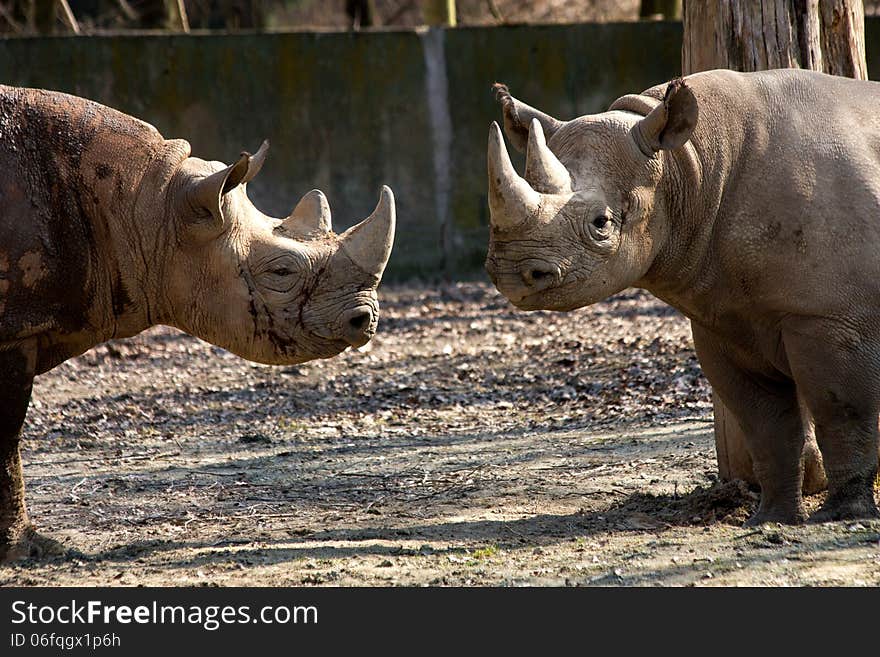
x,y
468,444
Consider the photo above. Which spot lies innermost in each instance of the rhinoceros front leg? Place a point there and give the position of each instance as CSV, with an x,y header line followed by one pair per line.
x,y
836,374
735,462
16,378
766,408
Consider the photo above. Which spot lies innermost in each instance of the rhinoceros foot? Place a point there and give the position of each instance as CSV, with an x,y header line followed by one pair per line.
x,y
786,516
853,507
27,543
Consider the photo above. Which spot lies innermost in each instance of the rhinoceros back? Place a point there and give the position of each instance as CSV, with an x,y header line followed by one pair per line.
x,y
787,174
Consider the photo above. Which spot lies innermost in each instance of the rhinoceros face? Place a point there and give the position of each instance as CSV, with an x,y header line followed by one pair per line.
x,y
270,290
582,224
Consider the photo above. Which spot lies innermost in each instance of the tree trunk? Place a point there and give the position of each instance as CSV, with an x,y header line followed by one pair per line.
x,y
753,35
668,9
44,16
439,12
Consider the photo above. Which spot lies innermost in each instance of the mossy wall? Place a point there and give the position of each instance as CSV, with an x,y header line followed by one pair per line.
x,y
347,112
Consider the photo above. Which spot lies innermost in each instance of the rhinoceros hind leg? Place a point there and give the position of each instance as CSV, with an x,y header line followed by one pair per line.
x,y
860,506
849,449
837,380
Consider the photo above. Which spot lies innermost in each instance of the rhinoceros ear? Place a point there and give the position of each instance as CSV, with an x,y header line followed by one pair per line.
x,y
671,123
247,167
206,194
518,118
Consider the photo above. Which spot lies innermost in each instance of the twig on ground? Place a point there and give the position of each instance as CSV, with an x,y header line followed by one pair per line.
x,y
136,457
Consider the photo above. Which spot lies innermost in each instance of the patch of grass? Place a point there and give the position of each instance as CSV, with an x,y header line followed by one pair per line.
x,y
291,426
486,552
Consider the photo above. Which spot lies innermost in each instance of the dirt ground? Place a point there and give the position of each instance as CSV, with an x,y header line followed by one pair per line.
x,y
467,444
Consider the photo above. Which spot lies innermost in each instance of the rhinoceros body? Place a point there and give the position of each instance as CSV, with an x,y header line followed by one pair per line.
x,y
750,202
106,228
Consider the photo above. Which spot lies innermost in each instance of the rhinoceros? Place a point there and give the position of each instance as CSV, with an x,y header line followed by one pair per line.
x,y
107,228
751,203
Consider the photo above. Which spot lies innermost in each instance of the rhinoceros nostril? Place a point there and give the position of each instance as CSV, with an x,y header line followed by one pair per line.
x,y
540,276
360,321
356,325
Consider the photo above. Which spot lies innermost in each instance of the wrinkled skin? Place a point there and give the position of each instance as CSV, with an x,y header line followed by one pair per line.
x,y
751,203
107,229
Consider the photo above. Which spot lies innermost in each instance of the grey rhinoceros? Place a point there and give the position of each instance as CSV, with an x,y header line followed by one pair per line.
x,y
107,229
749,202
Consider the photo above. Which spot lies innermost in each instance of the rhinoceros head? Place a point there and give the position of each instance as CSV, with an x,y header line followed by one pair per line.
x,y
276,291
583,223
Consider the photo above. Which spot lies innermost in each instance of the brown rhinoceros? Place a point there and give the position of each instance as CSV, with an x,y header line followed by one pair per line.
x,y
107,229
749,202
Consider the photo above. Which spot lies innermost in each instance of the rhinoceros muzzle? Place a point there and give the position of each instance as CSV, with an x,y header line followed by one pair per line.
x,y
525,282
358,326
363,250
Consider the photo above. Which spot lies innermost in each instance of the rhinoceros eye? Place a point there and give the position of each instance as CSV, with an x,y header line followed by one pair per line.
x,y
281,271
600,227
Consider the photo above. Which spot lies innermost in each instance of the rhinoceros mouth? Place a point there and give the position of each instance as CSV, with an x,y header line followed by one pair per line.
x,y
554,298
533,301
524,299
328,343
333,348
319,348
306,346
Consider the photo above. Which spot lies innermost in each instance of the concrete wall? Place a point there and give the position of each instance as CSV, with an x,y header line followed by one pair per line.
x,y
347,112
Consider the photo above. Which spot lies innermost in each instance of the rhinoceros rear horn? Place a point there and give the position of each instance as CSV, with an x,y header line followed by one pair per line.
x,y
544,171
368,244
518,118
671,123
311,215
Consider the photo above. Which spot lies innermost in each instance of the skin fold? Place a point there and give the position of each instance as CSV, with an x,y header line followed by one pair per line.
x,y
751,203
107,228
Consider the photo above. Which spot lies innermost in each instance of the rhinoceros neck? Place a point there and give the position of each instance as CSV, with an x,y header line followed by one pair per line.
x,y
688,199
691,193
129,228
151,227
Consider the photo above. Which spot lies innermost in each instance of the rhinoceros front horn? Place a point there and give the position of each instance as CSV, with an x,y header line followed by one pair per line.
x,y
369,243
543,169
311,215
511,199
